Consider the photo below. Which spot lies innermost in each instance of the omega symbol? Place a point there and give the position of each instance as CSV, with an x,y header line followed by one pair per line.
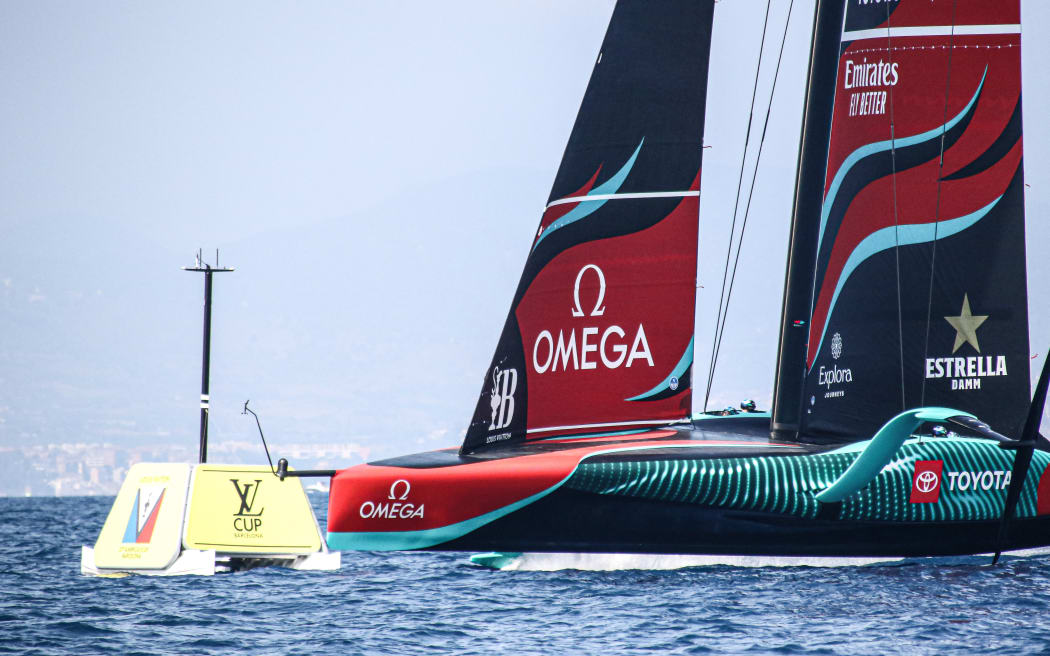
x,y
394,489
599,309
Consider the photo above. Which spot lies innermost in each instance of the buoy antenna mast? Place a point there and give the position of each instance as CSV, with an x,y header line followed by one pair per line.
x,y
200,266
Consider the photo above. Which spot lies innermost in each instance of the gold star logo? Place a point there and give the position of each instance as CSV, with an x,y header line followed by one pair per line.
x,y
966,325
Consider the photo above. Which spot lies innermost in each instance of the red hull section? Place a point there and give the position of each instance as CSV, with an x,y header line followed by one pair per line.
x,y
370,498
375,498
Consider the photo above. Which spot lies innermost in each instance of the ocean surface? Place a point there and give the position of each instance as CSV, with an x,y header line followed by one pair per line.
x,y
438,603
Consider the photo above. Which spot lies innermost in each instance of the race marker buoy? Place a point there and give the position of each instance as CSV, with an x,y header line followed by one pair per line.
x,y
171,519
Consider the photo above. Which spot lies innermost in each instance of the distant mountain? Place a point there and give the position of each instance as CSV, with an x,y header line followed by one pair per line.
x,y
378,324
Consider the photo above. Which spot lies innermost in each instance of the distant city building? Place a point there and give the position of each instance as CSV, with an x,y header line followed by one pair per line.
x,y
82,469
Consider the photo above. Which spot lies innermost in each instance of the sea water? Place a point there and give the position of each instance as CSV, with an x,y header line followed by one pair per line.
x,y
438,603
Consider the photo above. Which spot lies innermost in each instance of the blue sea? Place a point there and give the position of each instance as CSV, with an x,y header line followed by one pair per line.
x,y
438,603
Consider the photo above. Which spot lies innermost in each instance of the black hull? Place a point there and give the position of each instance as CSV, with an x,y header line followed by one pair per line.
x,y
577,522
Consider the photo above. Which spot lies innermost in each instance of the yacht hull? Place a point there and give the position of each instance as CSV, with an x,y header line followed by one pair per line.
x,y
718,487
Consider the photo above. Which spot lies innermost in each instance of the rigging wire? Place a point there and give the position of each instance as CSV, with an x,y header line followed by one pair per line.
x,y
896,212
751,191
736,203
728,294
248,410
937,210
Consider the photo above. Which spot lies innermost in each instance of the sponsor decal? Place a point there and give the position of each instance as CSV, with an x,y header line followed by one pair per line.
x,y
247,523
144,528
396,505
834,376
498,437
929,478
144,513
828,378
871,74
501,398
984,480
836,346
966,372
231,510
926,481
865,74
590,347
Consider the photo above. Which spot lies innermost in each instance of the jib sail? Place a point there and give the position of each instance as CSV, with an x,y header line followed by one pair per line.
x,y
600,331
919,290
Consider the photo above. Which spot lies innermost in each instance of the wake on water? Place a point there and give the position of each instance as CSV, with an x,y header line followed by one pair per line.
x,y
597,562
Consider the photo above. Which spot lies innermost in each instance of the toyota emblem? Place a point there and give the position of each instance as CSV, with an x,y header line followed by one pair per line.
x,y
926,481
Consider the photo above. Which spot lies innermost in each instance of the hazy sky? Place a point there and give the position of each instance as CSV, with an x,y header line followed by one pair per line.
x,y
277,130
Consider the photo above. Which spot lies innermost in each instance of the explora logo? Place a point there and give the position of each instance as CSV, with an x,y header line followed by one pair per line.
x,y
244,520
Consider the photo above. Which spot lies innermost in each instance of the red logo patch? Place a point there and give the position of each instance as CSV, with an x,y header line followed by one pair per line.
x,y
926,482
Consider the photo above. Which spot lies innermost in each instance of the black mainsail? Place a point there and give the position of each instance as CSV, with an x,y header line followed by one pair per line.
x,y
600,331
918,284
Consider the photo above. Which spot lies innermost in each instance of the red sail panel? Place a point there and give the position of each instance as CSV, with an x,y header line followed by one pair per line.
x,y
906,238
599,334
606,323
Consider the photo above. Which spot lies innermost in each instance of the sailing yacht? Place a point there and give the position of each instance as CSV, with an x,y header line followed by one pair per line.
x,y
901,423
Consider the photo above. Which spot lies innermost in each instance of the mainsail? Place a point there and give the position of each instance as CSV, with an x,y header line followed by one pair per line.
x,y
919,290
600,332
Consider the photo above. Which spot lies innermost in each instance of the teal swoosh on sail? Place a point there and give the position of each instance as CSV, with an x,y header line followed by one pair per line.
x,y
677,372
906,235
882,146
587,207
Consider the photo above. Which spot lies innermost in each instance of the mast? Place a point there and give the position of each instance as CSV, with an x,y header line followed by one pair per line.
x,y
809,197
207,270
